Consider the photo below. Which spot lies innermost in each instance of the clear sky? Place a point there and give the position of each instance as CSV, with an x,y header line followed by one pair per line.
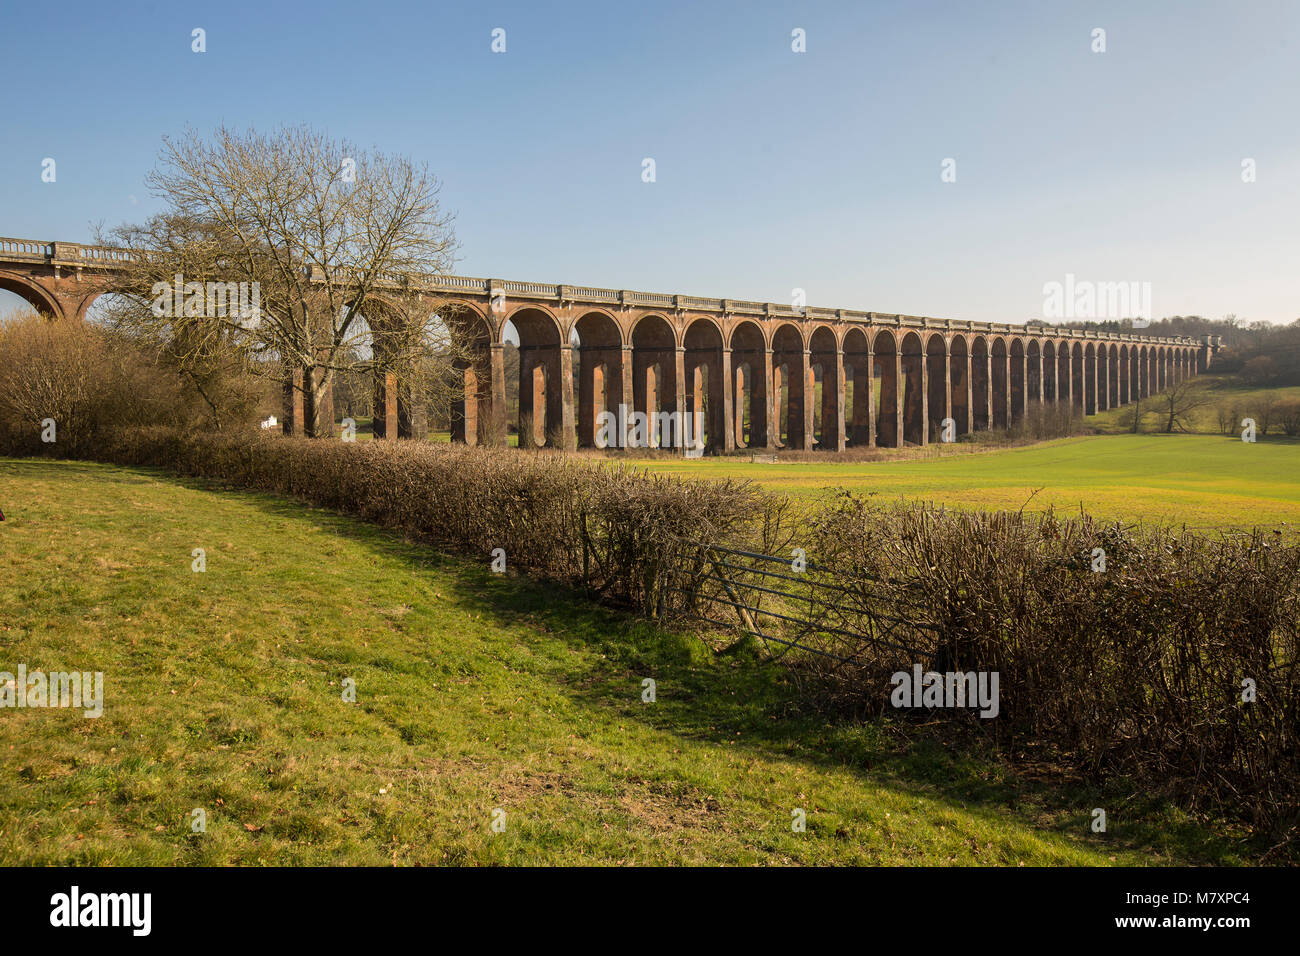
x,y
774,170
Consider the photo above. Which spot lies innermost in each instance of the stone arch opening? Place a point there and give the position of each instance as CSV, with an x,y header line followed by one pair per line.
x,y
540,419
1001,382
748,366
1018,380
599,370
33,293
859,388
1064,379
1123,376
384,376
889,410
981,384
705,363
1051,386
825,385
959,383
1112,376
474,419
1089,380
1078,385
1049,373
1033,373
789,385
913,371
937,386
654,372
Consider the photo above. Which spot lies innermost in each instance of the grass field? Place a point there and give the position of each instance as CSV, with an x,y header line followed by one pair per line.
x,y
474,692
1205,481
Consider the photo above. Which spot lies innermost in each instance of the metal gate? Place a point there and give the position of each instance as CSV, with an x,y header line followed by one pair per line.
x,y
796,604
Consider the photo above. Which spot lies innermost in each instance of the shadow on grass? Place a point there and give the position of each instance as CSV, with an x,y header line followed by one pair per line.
x,y
740,699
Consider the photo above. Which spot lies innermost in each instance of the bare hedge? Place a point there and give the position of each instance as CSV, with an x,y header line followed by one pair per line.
x,y
1138,666
612,529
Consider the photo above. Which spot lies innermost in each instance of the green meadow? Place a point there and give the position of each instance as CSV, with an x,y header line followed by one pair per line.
x,y
1201,481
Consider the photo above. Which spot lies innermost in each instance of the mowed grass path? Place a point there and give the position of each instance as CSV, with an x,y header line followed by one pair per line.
x,y
1198,480
474,692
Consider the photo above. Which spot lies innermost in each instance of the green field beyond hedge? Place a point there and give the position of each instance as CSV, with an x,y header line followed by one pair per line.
x,y
474,692
1204,481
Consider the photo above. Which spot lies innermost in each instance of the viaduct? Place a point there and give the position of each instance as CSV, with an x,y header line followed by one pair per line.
x,y
751,368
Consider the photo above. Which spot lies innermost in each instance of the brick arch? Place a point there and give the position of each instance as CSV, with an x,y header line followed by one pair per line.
x,y
397,413
473,315
789,381
937,385
33,293
83,307
597,328
747,344
1111,393
981,383
687,322
1090,379
675,333
545,377
600,370
1124,376
1017,378
827,415
538,317
959,383
707,364
1034,373
658,374
474,418
912,355
1050,384
580,316
1000,380
887,410
859,376
928,338
812,328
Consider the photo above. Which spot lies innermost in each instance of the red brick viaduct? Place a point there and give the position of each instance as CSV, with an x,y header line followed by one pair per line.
x,y
750,367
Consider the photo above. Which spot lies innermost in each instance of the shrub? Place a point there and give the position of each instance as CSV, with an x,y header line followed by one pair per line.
x,y
1138,668
85,378
1043,421
1288,414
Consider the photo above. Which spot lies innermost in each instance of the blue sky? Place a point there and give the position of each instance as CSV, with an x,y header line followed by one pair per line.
x,y
774,170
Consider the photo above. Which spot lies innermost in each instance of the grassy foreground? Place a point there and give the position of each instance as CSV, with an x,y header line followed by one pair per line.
x,y
1204,481
473,692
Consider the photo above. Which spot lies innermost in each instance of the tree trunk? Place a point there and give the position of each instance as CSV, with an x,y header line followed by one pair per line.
x,y
318,402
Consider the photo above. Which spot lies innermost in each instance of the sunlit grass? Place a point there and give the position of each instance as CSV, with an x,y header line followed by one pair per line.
x,y
474,692
1199,480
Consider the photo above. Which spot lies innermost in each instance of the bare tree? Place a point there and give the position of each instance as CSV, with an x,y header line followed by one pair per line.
x,y
1179,402
1132,416
1289,416
1267,408
315,235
